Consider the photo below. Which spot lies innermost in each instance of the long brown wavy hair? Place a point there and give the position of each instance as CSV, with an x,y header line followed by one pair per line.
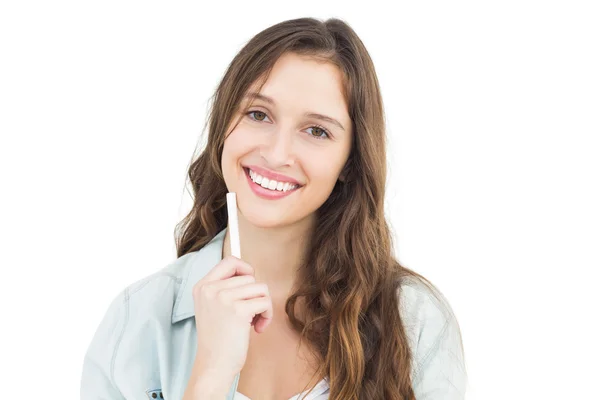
x,y
350,281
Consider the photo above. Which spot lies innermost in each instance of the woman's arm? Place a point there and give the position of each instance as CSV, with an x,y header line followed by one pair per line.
x,y
207,385
97,379
440,372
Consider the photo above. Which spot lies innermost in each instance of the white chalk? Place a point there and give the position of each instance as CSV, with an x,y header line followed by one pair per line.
x,y
234,232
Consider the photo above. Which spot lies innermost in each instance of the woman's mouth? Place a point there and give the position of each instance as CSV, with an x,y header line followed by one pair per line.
x,y
267,188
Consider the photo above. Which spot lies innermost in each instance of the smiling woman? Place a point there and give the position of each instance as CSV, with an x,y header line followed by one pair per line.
x,y
281,134
317,307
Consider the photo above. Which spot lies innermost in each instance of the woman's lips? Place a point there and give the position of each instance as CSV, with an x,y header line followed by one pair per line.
x,y
266,193
272,175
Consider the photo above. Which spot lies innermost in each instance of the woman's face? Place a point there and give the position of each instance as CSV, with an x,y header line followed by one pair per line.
x,y
279,139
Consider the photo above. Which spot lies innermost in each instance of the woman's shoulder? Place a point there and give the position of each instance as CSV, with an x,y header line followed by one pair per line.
x,y
140,324
152,295
168,291
167,279
434,335
421,300
426,312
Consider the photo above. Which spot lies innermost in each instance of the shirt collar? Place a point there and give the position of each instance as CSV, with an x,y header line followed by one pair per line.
x,y
201,263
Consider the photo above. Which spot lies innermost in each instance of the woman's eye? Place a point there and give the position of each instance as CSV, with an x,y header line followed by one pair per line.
x,y
259,116
319,132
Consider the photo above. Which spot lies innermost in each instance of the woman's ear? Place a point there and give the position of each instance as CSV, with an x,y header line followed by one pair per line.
x,y
345,171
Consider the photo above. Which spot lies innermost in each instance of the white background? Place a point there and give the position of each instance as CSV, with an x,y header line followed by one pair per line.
x,y
493,115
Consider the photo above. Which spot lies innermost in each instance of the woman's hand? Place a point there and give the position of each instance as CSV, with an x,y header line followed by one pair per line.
x,y
228,302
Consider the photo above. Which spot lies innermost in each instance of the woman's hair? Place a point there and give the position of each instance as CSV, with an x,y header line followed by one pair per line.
x,y
350,283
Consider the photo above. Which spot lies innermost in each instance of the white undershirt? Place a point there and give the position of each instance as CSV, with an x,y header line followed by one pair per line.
x,y
320,392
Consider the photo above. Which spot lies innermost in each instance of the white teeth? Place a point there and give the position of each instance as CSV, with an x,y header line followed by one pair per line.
x,y
271,184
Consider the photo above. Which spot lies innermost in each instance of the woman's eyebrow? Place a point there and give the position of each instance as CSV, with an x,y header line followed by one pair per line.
x,y
324,118
259,96
308,114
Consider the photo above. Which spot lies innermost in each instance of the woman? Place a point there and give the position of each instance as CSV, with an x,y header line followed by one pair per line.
x,y
318,308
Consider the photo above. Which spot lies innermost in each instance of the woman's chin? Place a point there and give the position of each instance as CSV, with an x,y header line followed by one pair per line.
x,y
269,219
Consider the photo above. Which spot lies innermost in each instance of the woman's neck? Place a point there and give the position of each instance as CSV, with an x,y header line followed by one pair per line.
x,y
274,253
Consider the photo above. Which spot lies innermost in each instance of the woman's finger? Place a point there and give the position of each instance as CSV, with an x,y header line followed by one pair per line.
x,y
228,267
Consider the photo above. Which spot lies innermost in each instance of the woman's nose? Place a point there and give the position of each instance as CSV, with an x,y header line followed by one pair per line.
x,y
278,149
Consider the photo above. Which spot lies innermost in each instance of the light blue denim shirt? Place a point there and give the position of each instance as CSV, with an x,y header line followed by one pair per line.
x,y
145,345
